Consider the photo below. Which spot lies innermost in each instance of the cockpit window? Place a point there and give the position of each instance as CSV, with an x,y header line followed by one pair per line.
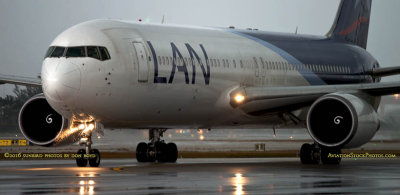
x,y
93,52
104,54
49,51
58,52
75,52
96,52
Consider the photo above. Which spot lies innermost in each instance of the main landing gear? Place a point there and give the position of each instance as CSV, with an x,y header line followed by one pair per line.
x,y
156,149
313,154
88,154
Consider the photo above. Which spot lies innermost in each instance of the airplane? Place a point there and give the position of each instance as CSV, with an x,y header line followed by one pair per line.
x,y
120,74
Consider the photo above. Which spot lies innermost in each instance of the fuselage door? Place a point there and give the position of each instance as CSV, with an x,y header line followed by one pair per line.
x,y
143,68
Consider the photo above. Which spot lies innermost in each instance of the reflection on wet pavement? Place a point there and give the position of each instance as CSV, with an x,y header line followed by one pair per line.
x,y
201,176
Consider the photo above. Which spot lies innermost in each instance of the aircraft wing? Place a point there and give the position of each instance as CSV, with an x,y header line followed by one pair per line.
x,y
18,80
257,100
384,72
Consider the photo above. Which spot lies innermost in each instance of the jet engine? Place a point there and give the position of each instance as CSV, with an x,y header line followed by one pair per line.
x,y
342,120
42,125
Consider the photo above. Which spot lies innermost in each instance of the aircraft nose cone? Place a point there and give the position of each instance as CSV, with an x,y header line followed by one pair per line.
x,y
61,80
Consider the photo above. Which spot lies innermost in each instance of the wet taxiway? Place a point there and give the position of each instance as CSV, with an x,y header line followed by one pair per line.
x,y
201,176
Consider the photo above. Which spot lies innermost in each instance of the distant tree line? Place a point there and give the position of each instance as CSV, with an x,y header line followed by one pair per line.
x,y
10,106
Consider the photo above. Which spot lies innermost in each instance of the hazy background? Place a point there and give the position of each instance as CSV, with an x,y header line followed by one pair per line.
x,y
28,27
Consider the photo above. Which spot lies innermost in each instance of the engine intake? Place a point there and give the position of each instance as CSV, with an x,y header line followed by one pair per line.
x,y
342,120
40,123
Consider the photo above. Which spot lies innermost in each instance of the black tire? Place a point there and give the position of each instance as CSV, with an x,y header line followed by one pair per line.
x,y
329,156
141,152
81,161
307,156
172,151
95,161
161,152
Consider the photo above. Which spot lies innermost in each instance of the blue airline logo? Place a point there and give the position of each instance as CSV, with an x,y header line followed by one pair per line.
x,y
177,55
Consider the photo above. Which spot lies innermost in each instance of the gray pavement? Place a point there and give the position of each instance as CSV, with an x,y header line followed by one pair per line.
x,y
201,176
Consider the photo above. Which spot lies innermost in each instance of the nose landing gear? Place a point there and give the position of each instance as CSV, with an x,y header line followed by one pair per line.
x,y
88,154
156,149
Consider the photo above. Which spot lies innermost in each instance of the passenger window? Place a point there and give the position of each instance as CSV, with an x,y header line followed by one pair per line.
x,y
93,52
104,53
49,51
58,52
75,52
255,61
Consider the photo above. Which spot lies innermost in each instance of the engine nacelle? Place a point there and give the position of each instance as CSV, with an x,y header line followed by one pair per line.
x,y
42,125
342,120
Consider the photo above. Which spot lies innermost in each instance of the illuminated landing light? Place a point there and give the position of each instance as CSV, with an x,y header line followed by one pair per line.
x,y
291,137
239,98
84,139
91,127
201,137
81,127
396,96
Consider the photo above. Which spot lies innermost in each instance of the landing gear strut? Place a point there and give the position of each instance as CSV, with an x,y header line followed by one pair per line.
x,y
156,149
88,154
313,154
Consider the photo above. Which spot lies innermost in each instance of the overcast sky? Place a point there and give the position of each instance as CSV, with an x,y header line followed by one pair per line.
x,y
28,27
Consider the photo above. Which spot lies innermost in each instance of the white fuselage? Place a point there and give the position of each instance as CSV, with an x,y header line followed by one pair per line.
x,y
161,76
